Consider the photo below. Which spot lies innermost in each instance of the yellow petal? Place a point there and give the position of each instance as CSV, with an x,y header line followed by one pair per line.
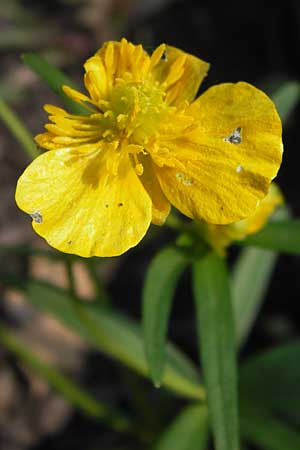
x,y
221,169
220,236
121,59
265,209
180,73
160,205
95,79
78,207
78,97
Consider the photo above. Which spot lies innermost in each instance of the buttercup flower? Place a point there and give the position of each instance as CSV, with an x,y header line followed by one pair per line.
x,y
220,236
144,144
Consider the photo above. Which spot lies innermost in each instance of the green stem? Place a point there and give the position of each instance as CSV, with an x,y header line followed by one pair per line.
x,y
71,278
17,128
177,224
101,294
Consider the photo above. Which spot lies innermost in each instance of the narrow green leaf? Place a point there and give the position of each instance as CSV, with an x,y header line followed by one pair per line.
x,y
54,78
260,428
115,335
283,236
272,379
70,390
158,292
250,278
18,130
189,431
286,98
217,348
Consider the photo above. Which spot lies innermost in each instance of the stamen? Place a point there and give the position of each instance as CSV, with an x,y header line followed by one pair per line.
x,y
158,54
139,169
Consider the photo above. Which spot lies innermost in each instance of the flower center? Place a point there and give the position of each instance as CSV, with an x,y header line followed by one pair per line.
x,y
133,112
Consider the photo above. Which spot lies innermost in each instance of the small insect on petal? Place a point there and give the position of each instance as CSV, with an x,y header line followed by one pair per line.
x,y
37,217
235,137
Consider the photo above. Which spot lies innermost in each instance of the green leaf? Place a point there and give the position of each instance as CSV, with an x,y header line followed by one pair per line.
x,y
267,432
18,130
70,390
286,98
250,278
189,431
217,348
272,379
54,78
115,335
158,293
283,236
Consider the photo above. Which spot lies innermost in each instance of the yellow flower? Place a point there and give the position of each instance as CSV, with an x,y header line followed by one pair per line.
x,y
220,236
146,144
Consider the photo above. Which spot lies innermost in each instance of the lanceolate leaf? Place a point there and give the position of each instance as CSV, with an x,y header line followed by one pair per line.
x,y
17,128
281,236
286,99
272,379
217,348
250,278
265,431
159,287
54,78
189,431
115,335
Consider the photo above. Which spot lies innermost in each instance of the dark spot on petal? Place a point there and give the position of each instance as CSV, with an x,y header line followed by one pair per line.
x,y
164,56
120,204
70,242
235,137
106,205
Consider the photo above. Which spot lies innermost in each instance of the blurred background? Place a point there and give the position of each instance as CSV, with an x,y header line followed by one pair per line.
x,y
248,41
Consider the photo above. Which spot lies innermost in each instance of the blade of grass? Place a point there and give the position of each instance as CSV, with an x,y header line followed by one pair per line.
x,y
70,390
158,293
113,334
18,130
54,78
215,326
189,431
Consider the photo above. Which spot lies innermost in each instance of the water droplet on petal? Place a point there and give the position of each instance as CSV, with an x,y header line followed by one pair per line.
x,y
184,179
239,169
